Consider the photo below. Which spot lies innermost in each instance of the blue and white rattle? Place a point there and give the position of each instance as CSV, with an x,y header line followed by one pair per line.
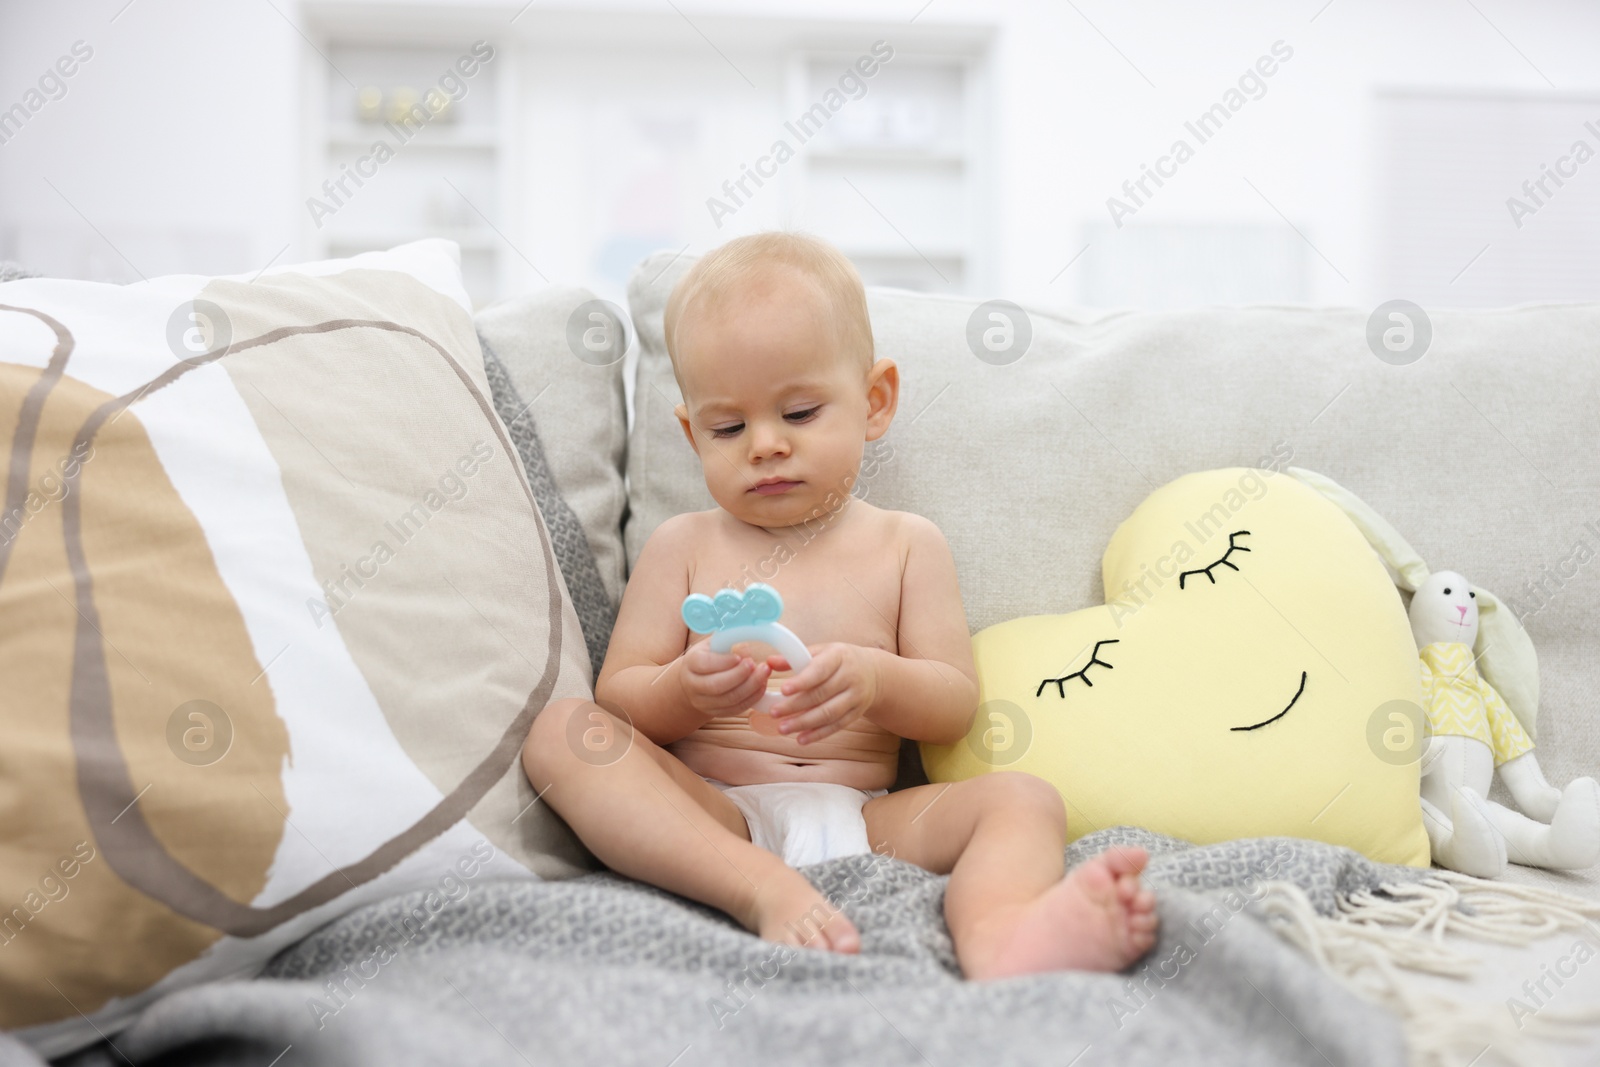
x,y
732,616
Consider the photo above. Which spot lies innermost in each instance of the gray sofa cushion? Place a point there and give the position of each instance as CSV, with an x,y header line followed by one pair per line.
x,y
574,457
1481,453
596,611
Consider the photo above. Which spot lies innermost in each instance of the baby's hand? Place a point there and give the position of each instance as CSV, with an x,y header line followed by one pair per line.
x,y
721,683
837,687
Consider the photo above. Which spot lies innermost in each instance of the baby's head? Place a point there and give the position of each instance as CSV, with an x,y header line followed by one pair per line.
x,y
772,349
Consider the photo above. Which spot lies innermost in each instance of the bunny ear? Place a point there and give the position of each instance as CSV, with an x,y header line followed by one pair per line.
x,y
1506,659
1408,568
1504,651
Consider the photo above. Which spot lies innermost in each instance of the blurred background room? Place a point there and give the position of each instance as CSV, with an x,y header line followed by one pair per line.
x,y
1058,152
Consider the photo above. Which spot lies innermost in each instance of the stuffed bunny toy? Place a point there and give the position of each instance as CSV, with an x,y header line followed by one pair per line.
x,y
1480,681
1474,734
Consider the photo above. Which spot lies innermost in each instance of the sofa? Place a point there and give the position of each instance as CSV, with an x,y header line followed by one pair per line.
x,y
1475,444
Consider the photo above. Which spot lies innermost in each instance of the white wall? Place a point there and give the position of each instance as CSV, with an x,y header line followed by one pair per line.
x,y
179,140
176,140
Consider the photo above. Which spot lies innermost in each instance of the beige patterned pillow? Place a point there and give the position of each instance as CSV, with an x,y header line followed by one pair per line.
x,y
276,611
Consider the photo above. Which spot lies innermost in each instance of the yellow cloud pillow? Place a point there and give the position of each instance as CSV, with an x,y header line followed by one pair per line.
x,y
1252,674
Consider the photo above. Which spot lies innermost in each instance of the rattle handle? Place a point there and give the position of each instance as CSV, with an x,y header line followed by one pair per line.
x,y
775,634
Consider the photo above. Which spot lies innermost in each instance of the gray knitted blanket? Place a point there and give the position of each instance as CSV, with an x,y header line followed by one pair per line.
x,y
600,970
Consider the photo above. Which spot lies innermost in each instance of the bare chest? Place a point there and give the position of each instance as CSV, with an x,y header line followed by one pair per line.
x,y
835,587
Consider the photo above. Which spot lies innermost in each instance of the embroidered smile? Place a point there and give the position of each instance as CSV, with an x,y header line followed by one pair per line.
x,y
1280,714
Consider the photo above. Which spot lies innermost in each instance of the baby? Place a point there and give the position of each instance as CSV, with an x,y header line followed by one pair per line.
x,y
772,349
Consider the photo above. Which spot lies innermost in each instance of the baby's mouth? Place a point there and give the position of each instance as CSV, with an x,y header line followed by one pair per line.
x,y
773,486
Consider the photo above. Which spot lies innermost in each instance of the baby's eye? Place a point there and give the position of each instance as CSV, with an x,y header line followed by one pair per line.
x,y
727,431
803,416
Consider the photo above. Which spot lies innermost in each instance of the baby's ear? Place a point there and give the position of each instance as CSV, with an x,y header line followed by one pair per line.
x,y
883,397
682,412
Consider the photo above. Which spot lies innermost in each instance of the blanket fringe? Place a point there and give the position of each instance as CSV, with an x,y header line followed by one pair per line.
x,y
1377,934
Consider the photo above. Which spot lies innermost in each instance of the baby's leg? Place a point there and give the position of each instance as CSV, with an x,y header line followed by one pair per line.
x,y
1000,837
647,816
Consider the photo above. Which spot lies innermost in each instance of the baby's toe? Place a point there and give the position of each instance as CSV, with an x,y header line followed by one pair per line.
x,y
842,935
1096,879
1124,860
1127,888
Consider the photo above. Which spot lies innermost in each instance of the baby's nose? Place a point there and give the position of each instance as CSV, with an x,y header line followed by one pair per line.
x,y
765,442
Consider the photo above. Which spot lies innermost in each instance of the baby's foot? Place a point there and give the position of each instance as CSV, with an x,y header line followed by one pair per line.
x,y
789,910
1097,918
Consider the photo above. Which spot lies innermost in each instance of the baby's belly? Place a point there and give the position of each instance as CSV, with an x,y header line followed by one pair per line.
x,y
862,756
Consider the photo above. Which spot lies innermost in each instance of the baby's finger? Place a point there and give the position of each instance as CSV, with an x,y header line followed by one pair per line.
x,y
820,667
810,686
817,717
723,682
813,736
702,660
825,689
745,696
778,663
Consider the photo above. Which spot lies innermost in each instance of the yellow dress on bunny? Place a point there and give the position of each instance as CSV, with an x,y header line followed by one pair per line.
x,y
1461,702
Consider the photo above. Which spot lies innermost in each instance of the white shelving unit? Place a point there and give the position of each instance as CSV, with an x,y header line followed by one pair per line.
x,y
894,176
608,139
449,178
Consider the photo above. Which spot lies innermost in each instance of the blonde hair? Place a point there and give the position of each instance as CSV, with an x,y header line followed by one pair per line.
x,y
729,268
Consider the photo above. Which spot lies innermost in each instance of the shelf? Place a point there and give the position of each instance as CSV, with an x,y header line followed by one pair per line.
x,y
434,137
908,159
889,156
470,240
882,252
475,147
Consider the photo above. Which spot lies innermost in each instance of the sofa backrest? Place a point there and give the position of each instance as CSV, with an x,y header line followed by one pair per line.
x,y
1481,451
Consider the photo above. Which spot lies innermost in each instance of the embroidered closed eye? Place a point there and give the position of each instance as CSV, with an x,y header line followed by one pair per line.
x,y
1233,546
1081,674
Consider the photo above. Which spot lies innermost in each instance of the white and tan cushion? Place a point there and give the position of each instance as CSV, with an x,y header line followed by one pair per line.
x,y
276,611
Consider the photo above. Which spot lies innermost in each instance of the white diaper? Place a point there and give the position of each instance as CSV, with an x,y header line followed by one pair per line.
x,y
804,822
